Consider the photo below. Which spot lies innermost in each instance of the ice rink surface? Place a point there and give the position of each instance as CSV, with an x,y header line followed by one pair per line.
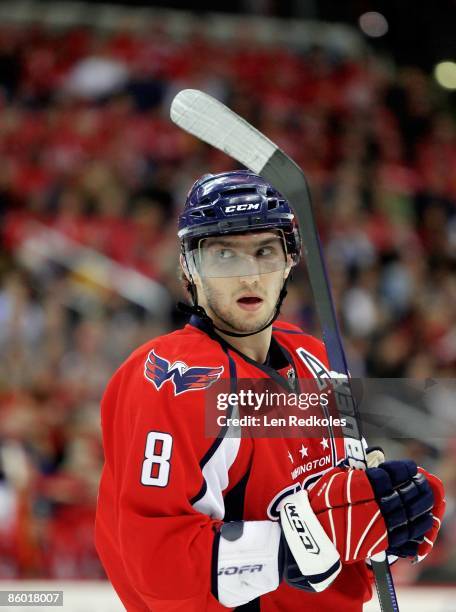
x,y
81,596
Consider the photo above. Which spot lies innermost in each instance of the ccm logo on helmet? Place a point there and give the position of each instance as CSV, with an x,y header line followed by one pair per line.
x,y
241,207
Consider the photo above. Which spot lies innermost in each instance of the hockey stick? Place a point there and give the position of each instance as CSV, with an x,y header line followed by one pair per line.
x,y
214,123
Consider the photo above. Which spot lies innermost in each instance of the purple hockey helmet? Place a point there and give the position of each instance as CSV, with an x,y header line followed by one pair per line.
x,y
236,202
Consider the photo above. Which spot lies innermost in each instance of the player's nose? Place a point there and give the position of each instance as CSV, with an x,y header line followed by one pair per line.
x,y
252,272
250,280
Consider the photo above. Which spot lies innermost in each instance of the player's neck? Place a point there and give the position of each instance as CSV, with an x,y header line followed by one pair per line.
x,y
256,347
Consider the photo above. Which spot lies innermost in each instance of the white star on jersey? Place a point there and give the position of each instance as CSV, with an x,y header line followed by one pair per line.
x,y
303,450
324,442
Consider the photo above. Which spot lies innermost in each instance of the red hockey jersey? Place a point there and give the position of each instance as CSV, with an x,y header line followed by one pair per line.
x,y
166,487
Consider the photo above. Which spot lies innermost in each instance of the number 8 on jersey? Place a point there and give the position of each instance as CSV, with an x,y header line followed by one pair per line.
x,y
156,466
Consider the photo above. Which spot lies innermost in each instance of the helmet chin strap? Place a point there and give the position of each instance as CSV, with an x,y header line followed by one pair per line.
x,y
200,312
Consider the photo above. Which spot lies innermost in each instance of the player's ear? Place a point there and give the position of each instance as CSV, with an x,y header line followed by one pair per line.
x,y
191,276
288,268
183,265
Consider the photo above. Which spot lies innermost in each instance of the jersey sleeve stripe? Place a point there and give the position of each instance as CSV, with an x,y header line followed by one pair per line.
x,y
215,466
215,474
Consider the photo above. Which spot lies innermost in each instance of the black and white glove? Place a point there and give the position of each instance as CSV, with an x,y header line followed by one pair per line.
x,y
311,561
253,557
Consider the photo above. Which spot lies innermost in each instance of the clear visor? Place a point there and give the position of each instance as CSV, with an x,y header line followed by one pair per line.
x,y
229,256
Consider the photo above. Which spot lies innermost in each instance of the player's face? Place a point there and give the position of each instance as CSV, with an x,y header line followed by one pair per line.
x,y
240,277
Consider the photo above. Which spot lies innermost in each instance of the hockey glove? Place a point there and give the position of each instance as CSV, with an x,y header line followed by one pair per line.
x,y
420,501
253,557
344,501
365,513
416,549
311,562
438,510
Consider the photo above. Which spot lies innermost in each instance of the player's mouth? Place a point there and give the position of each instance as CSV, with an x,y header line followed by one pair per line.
x,y
249,302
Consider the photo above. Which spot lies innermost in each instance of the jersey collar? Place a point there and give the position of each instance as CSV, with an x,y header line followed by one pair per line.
x,y
200,324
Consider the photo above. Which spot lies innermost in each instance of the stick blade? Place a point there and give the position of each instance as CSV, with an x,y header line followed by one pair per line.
x,y
211,121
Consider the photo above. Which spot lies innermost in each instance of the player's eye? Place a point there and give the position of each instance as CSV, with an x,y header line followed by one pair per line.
x,y
225,254
265,251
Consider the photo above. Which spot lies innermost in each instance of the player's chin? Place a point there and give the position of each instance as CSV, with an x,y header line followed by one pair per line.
x,y
253,319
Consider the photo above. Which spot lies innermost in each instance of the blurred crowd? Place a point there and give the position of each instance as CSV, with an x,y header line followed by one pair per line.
x,y
89,154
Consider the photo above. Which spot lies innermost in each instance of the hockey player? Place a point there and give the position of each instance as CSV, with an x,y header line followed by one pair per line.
x,y
193,524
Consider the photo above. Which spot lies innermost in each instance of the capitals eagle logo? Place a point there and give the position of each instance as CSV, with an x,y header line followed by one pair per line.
x,y
158,370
